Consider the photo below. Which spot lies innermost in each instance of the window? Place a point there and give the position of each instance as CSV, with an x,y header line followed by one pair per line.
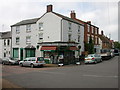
x,y
78,38
92,29
4,54
40,37
40,26
28,39
8,42
88,28
18,29
4,42
15,52
69,37
78,28
28,28
69,26
17,40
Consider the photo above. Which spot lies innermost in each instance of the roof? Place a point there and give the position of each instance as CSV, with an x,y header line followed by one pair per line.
x,y
104,39
67,18
32,21
28,21
5,35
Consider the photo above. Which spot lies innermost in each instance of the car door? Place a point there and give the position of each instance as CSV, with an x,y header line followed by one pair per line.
x,y
24,62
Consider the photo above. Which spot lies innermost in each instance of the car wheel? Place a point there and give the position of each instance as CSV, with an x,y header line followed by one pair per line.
x,y
3,63
95,62
21,64
32,66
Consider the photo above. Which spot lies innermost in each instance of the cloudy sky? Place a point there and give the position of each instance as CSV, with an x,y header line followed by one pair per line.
x,y
102,13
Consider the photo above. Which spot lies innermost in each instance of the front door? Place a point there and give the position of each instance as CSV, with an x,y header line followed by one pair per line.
x,y
21,54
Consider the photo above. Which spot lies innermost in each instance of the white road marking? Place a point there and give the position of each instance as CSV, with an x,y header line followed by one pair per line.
x,y
100,76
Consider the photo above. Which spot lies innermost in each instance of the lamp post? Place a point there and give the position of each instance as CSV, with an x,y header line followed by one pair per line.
x,y
79,47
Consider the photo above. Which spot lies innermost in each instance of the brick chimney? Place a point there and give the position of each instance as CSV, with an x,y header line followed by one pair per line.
x,y
73,14
102,33
89,22
49,8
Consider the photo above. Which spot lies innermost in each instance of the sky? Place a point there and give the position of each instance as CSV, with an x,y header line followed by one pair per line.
x,y
102,13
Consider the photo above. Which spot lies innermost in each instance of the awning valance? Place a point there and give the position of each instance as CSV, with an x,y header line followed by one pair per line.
x,y
73,48
48,48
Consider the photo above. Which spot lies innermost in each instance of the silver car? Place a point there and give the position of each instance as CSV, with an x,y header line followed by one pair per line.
x,y
93,58
32,61
10,61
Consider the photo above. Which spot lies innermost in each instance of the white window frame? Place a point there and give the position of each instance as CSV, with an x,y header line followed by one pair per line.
x,y
69,26
28,39
41,26
28,28
69,37
17,29
17,40
40,37
78,28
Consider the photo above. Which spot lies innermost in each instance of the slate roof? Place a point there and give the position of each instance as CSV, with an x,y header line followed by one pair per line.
x,y
5,35
28,21
32,21
104,39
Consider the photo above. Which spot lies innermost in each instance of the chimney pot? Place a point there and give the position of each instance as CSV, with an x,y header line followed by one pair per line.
x,y
49,8
102,33
73,14
89,22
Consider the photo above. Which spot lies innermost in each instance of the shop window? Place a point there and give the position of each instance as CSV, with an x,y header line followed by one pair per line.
x,y
15,52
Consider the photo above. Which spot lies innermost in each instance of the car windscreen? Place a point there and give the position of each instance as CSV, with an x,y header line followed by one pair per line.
x,y
40,58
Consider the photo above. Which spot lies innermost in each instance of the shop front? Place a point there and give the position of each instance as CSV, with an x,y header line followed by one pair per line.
x,y
55,50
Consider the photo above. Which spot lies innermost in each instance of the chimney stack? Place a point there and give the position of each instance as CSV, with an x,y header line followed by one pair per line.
x,y
49,8
89,22
102,33
73,14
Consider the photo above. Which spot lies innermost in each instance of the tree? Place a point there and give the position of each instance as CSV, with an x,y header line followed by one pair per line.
x,y
90,46
117,45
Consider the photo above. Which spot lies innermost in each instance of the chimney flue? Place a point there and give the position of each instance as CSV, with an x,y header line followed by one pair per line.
x,y
73,14
89,22
102,33
49,8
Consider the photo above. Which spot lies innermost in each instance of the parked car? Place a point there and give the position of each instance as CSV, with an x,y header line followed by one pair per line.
x,y
105,53
116,52
93,58
32,61
10,61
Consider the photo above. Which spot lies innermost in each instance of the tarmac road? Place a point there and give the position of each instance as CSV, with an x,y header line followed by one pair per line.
x,y
100,75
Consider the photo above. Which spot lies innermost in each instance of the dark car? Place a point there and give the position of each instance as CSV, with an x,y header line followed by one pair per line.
x,y
10,61
116,52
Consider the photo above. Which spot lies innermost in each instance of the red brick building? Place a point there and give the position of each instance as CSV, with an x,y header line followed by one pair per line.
x,y
89,31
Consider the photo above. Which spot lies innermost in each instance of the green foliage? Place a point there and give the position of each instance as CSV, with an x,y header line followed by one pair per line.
x,y
117,45
90,46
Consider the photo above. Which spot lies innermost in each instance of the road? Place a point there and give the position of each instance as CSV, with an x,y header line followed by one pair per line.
x,y
100,75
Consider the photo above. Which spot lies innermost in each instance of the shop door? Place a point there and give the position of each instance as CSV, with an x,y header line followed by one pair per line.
x,y
21,54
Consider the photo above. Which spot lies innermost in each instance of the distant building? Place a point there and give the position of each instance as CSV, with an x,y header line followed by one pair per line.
x,y
50,35
5,44
105,42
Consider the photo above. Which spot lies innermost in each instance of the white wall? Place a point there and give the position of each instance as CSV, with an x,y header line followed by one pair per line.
x,y
74,33
1,48
51,27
